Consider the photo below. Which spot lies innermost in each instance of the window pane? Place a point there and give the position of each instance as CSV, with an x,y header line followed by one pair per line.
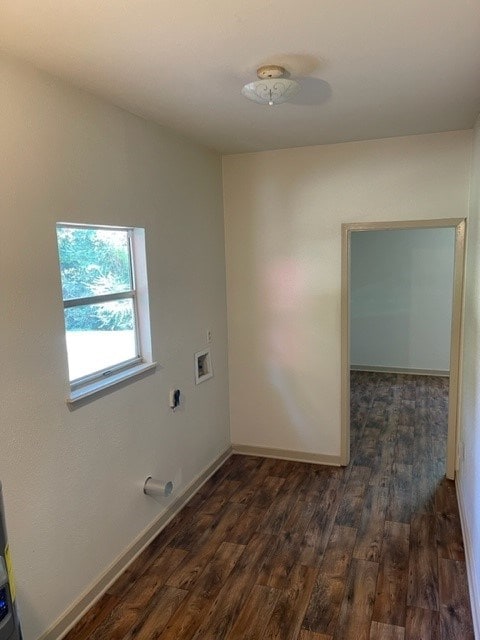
x,y
93,261
99,336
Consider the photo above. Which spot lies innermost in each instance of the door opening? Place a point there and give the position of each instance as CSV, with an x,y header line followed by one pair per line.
x,y
400,345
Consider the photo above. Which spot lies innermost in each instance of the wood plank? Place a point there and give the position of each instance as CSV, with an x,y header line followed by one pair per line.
x,y
446,498
279,510
213,504
357,607
392,581
147,557
422,624
449,537
166,604
367,447
407,414
300,517
410,388
423,564
93,618
455,615
378,412
267,491
286,619
186,620
131,608
423,487
399,507
310,635
246,526
217,571
339,551
404,448
254,617
382,462
370,531
350,508
317,477
380,631
320,527
424,470
275,467
205,547
259,490
280,560
188,617
325,603
328,591
242,466
219,617
187,537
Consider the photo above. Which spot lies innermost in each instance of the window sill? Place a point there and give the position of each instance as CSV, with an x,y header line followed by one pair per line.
x,y
100,385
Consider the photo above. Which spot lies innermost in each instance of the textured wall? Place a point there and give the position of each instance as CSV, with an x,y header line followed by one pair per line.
x,y
73,478
283,215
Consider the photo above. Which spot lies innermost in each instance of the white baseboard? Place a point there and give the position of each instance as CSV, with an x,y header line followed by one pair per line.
x,y
285,454
95,591
473,573
413,372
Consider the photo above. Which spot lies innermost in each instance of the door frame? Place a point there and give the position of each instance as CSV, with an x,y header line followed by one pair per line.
x,y
459,224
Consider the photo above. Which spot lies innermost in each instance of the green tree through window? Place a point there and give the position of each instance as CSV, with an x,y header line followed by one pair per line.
x,y
95,262
99,299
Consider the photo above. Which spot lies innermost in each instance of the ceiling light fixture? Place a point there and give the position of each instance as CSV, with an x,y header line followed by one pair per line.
x,y
272,86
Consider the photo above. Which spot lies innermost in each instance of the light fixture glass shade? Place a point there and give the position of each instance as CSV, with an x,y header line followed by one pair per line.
x,y
271,90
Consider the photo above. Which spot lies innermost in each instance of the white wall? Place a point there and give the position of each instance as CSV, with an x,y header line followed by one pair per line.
x,y
283,215
468,479
73,478
401,298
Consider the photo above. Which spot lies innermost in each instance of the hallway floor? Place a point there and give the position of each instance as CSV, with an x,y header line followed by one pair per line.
x,y
272,549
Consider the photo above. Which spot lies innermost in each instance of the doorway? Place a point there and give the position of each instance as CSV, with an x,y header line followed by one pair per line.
x,y
458,225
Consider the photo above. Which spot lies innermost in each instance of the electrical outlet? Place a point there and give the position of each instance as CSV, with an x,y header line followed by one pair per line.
x,y
209,336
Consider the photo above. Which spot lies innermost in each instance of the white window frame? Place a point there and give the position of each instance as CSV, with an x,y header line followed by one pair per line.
x,y
98,381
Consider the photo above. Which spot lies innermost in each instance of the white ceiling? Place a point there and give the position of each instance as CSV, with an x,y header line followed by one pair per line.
x,y
368,68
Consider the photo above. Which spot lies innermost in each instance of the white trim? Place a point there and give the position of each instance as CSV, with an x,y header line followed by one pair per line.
x,y
286,454
71,303
105,373
412,372
95,591
473,575
87,225
144,338
434,223
98,386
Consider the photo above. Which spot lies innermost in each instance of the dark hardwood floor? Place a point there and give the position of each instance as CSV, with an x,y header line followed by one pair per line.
x,y
271,549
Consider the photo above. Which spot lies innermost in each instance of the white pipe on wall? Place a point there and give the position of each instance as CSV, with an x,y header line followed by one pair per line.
x,y
157,489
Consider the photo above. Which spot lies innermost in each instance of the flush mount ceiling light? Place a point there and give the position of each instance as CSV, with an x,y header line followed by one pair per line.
x,y
272,87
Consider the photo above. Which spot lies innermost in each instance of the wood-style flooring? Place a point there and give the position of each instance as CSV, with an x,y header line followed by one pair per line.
x,y
271,549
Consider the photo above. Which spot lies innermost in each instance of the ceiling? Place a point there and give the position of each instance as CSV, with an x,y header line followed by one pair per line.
x,y
368,68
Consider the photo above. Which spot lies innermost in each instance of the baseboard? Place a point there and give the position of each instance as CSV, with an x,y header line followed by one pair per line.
x,y
473,576
413,372
94,592
286,454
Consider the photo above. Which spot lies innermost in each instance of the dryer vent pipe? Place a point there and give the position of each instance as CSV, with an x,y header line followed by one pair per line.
x,y
157,489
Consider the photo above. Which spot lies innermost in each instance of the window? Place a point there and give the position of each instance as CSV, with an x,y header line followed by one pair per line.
x,y
103,275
